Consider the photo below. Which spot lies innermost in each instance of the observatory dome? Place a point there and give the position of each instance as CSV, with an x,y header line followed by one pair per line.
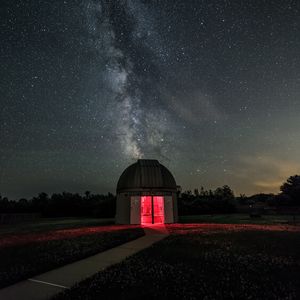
x,y
146,174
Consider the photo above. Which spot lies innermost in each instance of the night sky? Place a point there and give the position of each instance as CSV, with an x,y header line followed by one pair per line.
x,y
209,88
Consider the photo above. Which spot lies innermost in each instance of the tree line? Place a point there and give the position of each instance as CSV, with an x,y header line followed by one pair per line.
x,y
63,205
220,200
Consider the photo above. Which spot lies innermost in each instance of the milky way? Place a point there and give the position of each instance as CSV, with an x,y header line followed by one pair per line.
x,y
209,88
123,36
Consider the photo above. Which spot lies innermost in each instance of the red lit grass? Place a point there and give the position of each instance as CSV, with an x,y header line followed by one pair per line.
x,y
205,261
20,239
31,254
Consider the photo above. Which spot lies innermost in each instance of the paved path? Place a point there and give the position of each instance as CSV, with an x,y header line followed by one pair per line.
x,y
50,283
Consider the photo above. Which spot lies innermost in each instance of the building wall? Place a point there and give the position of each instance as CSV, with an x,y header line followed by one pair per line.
x,y
135,210
123,209
168,207
126,202
175,208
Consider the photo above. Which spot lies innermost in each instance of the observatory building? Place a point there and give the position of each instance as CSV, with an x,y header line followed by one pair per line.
x,y
146,194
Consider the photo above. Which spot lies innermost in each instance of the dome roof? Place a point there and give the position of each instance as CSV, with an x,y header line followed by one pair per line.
x,y
146,174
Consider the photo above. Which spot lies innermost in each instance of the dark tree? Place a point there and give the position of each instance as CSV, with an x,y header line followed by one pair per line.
x,y
87,194
291,188
225,193
207,202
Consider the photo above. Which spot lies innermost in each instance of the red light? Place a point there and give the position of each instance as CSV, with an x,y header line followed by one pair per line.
x,y
158,202
146,210
25,238
152,210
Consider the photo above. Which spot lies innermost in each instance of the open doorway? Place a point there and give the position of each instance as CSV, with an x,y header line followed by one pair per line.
x,y
152,210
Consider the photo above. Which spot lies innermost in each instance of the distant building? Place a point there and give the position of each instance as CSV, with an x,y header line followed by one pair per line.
x,y
146,194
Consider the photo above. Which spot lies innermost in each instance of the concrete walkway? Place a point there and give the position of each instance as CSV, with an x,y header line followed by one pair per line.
x,y
50,283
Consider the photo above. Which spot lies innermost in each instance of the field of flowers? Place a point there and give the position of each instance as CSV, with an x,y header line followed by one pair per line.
x,y
26,255
244,262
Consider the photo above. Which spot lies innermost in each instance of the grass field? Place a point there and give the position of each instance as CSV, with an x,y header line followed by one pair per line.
x,y
25,254
239,219
214,263
45,224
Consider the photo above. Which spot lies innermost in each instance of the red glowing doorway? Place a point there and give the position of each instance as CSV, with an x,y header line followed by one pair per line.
x,y
152,210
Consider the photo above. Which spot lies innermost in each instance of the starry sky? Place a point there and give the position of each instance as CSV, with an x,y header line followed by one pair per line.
x,y
209,88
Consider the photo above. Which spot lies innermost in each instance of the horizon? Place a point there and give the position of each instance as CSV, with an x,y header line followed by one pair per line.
x,y
82,192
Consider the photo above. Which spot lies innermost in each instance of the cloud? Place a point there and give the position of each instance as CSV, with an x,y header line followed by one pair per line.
x,y
196,108
265,173
269,185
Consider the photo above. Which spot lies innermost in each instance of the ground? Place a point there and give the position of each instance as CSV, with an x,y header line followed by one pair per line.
x,y
205,261
210,257
45,224
32,248
240,219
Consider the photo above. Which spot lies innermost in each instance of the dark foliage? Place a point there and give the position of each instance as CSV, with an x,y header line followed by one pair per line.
x,y
63,205
261,197
206,202
291,190
221,200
